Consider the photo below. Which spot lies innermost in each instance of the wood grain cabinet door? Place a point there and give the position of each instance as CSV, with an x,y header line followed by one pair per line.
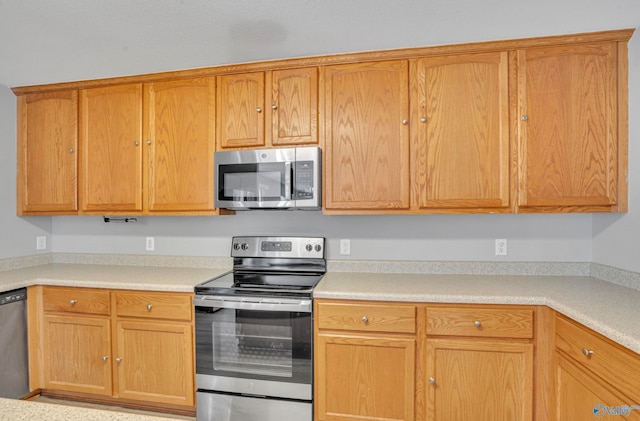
x,y
111,140
78,353
47,153
364,378
240,110
293,106
479,380
367,136
179,138
461,131
568,122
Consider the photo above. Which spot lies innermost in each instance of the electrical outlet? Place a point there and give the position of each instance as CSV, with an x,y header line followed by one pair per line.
x,y
345,247
41,242
501,247
151,243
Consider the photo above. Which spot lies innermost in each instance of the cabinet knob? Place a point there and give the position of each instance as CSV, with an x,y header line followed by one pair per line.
x,y
587,352
136,143
423,119
525,117
149,306
432,380
365,319
73,302
259,109
405,122
105,358
118,360
477,323
148,141
274,107
71,150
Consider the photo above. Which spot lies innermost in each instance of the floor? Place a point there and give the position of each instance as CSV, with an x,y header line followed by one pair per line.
x,y
46,399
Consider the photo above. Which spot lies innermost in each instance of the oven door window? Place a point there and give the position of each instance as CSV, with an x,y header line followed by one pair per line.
x,y
266,182
270,345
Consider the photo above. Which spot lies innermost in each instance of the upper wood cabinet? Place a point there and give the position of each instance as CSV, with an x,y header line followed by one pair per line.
x,y
179,138
111,145
570,153
460,131
366,151
268,109
47,153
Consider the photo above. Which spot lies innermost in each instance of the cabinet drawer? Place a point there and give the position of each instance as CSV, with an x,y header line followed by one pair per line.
x,y
480,321
617,365
372,317
154,305
76,300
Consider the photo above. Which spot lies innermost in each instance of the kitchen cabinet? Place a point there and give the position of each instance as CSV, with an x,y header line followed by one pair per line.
x,y
593,375
113,345
364,361
47,153
268,109
460,132
477,369
111,144
179,137
366,150
572,128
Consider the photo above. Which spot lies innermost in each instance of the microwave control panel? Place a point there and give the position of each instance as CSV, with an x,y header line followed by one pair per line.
x,y
303,180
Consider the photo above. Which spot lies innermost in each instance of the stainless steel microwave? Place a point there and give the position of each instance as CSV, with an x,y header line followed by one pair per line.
x,y
286,178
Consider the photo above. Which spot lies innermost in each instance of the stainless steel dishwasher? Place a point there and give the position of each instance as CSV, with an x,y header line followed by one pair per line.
x,y
14,361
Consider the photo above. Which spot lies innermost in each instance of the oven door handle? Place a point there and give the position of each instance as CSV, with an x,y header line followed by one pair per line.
x,y
302,306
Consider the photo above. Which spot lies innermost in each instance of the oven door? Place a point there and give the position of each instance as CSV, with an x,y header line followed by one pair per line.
x,y
254,348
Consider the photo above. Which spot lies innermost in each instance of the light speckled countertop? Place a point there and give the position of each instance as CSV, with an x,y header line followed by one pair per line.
x,y
612,310
17,410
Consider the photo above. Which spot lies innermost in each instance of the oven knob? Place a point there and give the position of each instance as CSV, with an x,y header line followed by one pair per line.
x,y
318,248
309,247
244,246
236,246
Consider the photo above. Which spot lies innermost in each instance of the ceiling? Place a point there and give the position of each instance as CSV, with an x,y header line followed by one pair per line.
x,y
46,41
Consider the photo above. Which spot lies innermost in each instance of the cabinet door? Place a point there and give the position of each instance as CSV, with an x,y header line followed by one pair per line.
x,y
78,350
156,362
479,380
240,116
568,148
293,102
180,144
111,140
364,377
367,136
582,396
461,131
47,153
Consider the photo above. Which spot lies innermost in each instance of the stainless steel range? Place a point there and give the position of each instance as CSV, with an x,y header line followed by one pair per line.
x,y
254,332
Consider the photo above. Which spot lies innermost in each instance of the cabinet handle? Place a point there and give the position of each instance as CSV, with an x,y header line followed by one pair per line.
x,y
365,319
477,323
405,122
259,109
587,352
274,107
149,307
423,119
118,360
105,358
525,117
136,143
72,302
432,380
71,150
148,141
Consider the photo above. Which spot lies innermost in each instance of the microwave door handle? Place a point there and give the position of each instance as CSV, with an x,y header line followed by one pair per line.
x,y
288,181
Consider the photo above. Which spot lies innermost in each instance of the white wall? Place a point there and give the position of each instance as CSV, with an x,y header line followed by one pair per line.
x,y
17,235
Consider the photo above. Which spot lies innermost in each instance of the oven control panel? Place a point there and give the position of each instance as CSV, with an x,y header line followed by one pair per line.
x,y
285,247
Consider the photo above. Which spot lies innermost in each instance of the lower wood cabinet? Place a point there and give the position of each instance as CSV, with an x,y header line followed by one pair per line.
x,y
132,346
